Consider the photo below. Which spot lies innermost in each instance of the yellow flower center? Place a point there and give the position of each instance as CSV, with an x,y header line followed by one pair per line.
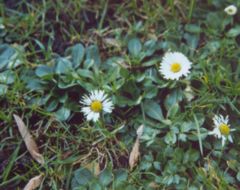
x,y
175,67
224,129
96,106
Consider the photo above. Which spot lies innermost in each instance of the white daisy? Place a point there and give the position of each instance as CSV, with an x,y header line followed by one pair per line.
x,y
221,128
174,65
95,103
231,10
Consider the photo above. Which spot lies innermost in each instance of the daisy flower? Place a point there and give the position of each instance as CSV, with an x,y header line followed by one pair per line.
x,y
231,10
221,129
174,65
94,104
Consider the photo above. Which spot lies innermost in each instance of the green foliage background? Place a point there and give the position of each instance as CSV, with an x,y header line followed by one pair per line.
x,y
53,52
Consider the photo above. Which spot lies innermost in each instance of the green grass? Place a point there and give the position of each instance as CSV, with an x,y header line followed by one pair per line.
x,y
119,46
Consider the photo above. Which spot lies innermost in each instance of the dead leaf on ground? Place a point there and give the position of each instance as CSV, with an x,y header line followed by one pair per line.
x,y
34,182
28,139
112,42
134,155
66,154
153,185
94,167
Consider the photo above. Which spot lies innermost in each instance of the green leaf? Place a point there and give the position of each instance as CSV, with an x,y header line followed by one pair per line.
x,y
234,32
92,55
170,138
43,70
182,137
157,165
65,85
173,110
130,187
78,52
173,98
149,135
213,46
120,176
105,177
130,94
151,62
192,28
190,156
134,47
145,165
83,176
3,89
87,85
153,110
7,77
238,176
62,114
149,47
150,92
63,97
63,66
7,55
85,73
95,186
187,126
213,16
35,84
52,105
192,40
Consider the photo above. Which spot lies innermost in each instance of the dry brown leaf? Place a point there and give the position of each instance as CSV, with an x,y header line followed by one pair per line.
x,y
94,167
153,185
134,155
112,42
34,182
66,154
28,139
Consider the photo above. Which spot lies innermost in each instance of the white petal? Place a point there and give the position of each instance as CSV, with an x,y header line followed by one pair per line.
x,y
92,95
90,116
86,101
211,133
107,106
101,96
96,116
215,132
218,133
86,110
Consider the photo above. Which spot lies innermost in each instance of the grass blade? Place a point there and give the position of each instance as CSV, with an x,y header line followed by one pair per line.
x,y
199,134
12,159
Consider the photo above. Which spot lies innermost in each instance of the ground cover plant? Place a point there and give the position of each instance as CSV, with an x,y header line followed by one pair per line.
x,y
119,94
